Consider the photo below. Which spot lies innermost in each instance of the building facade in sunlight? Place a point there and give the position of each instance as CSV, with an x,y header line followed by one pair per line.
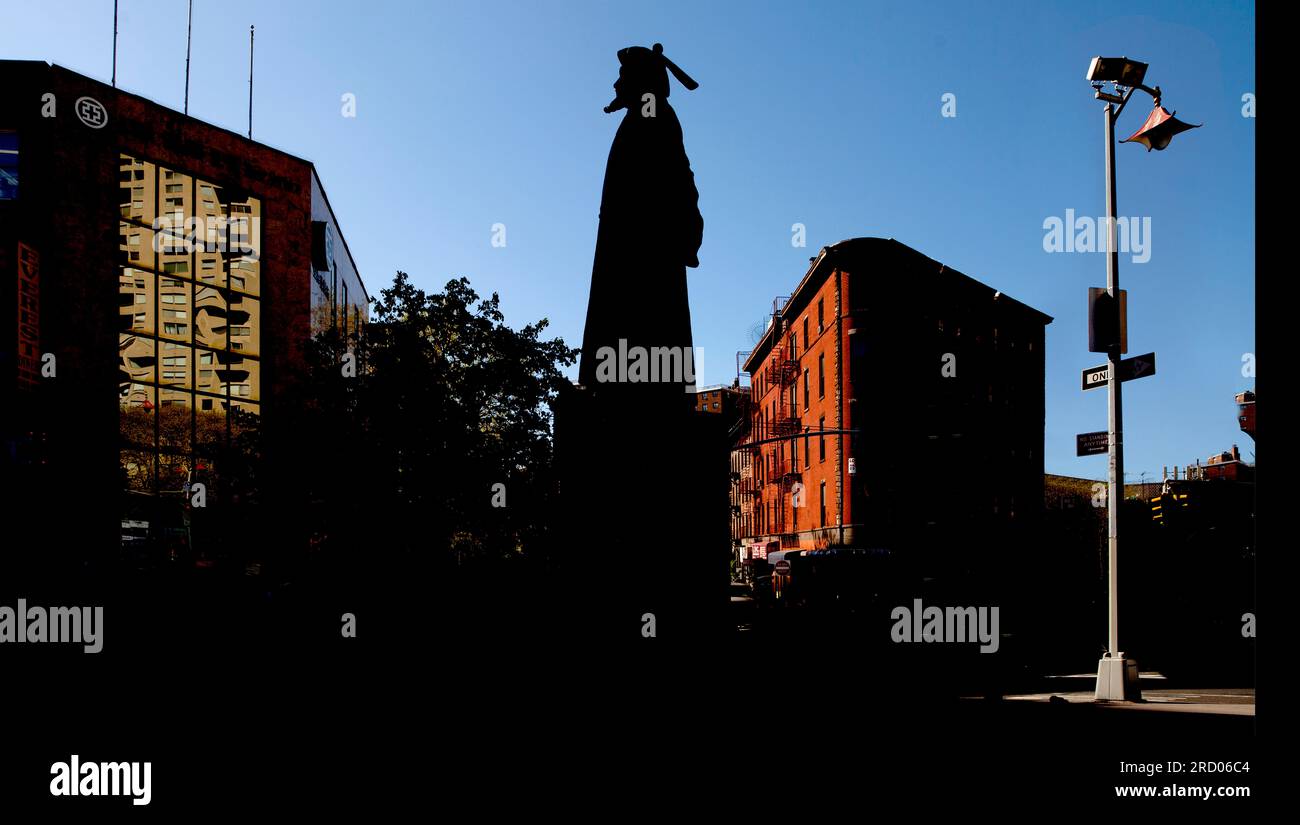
x,y
895,404
164,277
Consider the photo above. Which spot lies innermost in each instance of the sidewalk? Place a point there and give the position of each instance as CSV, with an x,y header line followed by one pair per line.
x,y
1157,695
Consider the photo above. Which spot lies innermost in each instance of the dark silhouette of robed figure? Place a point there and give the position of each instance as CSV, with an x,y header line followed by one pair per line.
x,y
650,227
643,478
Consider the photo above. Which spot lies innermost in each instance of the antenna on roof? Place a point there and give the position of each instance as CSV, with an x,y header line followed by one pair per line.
x,y
250,82
114,44
189,27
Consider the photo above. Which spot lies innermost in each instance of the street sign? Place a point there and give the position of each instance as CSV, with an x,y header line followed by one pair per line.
x,y
1139,366
781,568
1096,377
1092,443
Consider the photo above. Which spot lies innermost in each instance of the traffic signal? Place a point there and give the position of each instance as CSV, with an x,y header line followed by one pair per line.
x,y
1168,504
1107,321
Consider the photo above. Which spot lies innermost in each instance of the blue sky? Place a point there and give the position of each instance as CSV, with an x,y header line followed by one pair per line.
x,y
825,114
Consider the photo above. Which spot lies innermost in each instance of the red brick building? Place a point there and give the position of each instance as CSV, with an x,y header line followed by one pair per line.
x,y
163,277
1226,465
724,401
1246,412
895,403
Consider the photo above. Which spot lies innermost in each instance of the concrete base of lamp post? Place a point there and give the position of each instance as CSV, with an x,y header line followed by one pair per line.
x,y
1117,680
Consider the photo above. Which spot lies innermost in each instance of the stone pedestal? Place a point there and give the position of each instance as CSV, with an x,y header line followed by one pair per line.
x,y
644,523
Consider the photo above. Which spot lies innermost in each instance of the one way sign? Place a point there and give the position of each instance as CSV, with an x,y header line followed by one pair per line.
x,y
1139,366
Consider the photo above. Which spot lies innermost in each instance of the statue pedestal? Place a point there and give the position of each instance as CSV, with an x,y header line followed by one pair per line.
x,y
644,524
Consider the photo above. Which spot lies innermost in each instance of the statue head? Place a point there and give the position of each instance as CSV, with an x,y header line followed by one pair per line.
x,y
644,71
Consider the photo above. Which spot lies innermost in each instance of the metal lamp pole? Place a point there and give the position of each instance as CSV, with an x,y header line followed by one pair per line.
x,y
1107,680
1117,676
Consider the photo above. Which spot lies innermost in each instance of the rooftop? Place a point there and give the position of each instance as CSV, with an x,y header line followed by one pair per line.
x,y
848,255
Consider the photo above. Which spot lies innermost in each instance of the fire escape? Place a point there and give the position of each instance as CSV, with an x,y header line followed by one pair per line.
x,y
764,461
783,373
785,474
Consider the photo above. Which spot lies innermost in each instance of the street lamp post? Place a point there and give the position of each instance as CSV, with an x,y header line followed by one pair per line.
x,y
1113,679
1117,675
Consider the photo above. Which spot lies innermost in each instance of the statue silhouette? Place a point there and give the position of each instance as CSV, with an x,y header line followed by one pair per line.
x,y
650,229
643,478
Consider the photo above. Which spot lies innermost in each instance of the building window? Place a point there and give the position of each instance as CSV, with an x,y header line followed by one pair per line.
x,y
821,315
167,427
805,389
822,508
806,461
806,339
821,439
334,295
8,166
821,375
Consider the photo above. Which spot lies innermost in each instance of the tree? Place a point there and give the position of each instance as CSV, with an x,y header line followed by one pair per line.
x,y
411,422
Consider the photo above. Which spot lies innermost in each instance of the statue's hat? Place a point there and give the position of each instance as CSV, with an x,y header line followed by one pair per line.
x,y
647,69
